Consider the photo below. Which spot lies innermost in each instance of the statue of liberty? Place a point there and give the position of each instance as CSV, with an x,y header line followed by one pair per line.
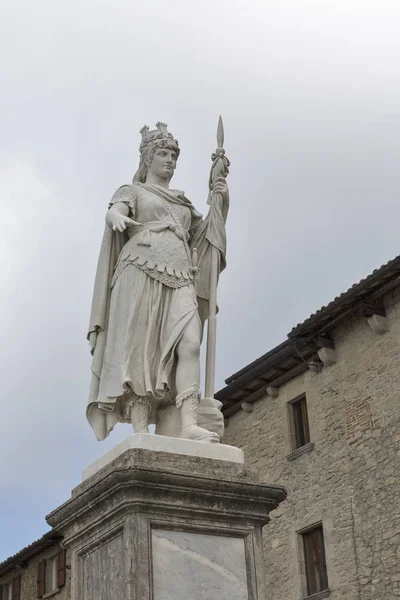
x,y
150,300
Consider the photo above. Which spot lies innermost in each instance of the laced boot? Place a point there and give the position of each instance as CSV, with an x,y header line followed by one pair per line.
x,y
187,402
140,407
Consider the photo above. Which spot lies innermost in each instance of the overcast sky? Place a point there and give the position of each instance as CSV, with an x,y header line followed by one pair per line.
x,y
310,96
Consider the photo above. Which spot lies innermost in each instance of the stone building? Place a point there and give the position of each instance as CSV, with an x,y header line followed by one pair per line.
x,y
320,414
40,570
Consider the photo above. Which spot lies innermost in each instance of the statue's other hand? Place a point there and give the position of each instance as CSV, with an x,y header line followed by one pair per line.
x,y
120,223
220,187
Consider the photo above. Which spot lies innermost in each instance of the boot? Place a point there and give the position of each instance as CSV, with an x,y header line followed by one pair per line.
x,y
188,402
140,407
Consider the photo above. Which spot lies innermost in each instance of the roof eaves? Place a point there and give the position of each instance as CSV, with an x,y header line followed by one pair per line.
x,y
262,359
24,555
364,286
375,285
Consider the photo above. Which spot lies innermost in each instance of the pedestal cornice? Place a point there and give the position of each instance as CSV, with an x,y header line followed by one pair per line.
x,y
141,480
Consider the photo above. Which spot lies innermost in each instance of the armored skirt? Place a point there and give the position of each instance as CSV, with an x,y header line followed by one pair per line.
x,y
146,322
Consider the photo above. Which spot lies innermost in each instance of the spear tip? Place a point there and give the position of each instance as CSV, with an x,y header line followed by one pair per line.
x,y
220,133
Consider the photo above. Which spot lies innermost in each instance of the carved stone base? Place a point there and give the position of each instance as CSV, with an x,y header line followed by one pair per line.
x,y
153,525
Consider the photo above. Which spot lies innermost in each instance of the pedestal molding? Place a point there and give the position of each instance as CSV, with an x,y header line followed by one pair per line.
x,y
122,490
148,509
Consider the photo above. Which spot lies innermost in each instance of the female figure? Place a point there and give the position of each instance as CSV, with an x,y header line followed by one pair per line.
x,y
146,322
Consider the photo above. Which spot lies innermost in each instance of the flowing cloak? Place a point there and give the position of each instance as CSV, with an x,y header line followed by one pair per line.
x,y
205,234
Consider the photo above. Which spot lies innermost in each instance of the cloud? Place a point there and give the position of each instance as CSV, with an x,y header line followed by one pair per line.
x,y
309,94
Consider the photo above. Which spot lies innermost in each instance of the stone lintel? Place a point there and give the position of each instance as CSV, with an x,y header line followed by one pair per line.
x,y
378,323
273,391
327,356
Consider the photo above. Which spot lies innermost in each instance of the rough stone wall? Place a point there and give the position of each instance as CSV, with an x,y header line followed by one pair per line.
x,y
373,377
349,480
29,576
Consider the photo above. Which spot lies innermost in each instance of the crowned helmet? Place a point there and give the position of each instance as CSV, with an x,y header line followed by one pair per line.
x,y
151,141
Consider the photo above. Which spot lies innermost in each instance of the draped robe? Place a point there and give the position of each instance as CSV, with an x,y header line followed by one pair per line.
x,y
144,297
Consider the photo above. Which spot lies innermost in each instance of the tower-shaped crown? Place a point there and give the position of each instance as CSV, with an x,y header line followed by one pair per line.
x,y
163,127
151,141
144,131
155,137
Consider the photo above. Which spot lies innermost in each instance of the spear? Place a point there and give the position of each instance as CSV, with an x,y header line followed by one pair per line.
x,y
219,168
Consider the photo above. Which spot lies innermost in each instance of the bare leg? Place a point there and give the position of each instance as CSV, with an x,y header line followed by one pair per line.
x,y
188,384
188,351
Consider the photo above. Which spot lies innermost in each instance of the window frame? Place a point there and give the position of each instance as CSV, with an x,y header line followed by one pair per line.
x,y
7,590
53,562
299,422
314,586
11,590
51,573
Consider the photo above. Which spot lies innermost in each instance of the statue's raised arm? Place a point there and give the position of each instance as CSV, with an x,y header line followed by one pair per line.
x,y
146,321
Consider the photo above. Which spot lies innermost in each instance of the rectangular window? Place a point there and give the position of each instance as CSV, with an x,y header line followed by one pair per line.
x,y
51,574
314,559
301,432
7,591
11,590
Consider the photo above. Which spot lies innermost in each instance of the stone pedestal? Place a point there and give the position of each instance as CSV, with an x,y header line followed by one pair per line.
x,y
157,525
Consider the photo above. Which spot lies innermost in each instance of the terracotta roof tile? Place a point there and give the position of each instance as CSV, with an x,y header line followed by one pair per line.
x,y
24,555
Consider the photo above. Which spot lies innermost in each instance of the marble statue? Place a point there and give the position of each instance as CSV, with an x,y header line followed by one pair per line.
x,y
152,297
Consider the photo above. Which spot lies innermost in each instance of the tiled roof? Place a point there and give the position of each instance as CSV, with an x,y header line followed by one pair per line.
x,y
22,557
364,289
292,357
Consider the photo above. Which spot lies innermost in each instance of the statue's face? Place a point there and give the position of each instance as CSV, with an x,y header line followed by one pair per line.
x,y
164,163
